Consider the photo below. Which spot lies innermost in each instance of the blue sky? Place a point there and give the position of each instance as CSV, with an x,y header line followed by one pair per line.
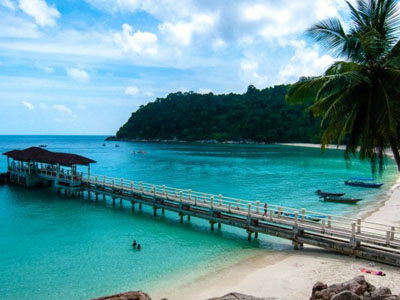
x,y
83,66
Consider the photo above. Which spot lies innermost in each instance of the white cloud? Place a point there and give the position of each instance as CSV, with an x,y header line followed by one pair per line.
x,y
64,109
28,105
43,14
142,43
218,44
47,69
250,71
182,32
7,3
306,61
78,74
132,91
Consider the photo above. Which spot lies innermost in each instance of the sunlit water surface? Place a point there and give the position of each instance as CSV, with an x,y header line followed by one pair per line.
x,y
61,248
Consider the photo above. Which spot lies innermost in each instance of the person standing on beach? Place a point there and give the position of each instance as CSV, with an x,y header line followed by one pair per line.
x,y
265,209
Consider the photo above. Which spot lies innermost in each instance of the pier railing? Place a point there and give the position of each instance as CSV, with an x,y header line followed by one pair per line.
x,y
341,227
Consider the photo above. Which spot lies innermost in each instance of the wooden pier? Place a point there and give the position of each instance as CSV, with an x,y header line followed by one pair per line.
x,y
354,237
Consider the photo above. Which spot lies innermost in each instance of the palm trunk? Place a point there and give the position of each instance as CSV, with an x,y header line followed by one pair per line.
x,y
395,151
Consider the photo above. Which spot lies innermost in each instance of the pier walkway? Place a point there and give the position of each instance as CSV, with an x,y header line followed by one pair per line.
x,y
354,237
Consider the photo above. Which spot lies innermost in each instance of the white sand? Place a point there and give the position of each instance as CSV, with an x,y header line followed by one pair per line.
x,y
291,274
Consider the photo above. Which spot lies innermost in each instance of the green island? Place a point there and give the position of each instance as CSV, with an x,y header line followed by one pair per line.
x,y
261,116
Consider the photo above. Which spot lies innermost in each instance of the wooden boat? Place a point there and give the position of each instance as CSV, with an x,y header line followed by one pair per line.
x,y
322,193
359,183
341,200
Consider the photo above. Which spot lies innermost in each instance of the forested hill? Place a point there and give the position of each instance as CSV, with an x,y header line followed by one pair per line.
x,y
257,115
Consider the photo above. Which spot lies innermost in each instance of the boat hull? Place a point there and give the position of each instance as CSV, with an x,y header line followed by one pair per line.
x,y
341,200
364,184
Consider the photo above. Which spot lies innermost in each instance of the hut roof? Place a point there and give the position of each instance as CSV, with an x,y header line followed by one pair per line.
x,y
41,155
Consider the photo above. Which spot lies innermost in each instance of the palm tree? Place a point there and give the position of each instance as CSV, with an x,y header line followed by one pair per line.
x,y
358,97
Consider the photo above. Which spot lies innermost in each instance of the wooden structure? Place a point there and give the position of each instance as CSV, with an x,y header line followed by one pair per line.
x,y
354,237
34,166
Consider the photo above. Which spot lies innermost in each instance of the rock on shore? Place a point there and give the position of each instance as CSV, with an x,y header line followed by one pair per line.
x,y
355,289
126,296
238,296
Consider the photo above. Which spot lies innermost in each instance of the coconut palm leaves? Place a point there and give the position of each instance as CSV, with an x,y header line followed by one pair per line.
x,y
358,99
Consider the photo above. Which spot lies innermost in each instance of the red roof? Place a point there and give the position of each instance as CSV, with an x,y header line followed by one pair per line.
x,y
41,155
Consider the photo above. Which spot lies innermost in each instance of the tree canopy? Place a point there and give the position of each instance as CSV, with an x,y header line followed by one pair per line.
x,y
257,115
358,97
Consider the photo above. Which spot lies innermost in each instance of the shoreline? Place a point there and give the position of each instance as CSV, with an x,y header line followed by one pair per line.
x,y
290,274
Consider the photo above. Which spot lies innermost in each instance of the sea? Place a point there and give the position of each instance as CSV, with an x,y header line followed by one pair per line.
x,y
55,247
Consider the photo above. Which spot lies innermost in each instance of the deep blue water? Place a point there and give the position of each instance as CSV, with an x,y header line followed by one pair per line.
x,y
55,247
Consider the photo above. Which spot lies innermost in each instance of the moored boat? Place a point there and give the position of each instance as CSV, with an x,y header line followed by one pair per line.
x,y
341,200
363,182
322,193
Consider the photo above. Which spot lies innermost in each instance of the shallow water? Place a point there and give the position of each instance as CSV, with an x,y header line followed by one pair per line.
x,y
54,247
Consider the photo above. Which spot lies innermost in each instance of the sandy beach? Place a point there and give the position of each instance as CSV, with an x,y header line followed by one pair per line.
x,y
291,274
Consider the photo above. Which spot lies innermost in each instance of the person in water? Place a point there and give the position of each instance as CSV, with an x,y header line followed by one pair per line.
x,y
134,243
139,247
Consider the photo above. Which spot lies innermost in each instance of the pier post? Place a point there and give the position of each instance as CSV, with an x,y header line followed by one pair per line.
x,y
65,192
212,225
88,194
256,235
140,206
249,209
113,199
155,211
219,225
249,235
163,211
188,217
358,225
393,229
97,197
220,200
181,216
120,201
104,197
303,214
258,207
133,205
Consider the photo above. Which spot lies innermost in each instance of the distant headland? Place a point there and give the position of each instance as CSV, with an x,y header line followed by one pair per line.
x,y
255,117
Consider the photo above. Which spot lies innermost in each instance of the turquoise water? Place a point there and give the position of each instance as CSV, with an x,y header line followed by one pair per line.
x,y
54,247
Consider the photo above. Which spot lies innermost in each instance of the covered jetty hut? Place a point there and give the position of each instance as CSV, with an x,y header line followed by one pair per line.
x,y
34,165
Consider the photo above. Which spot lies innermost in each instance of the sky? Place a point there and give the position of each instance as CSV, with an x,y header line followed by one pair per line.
x,y
83,66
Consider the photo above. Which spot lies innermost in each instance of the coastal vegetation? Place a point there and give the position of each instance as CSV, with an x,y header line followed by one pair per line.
x,y
257,116
358,97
